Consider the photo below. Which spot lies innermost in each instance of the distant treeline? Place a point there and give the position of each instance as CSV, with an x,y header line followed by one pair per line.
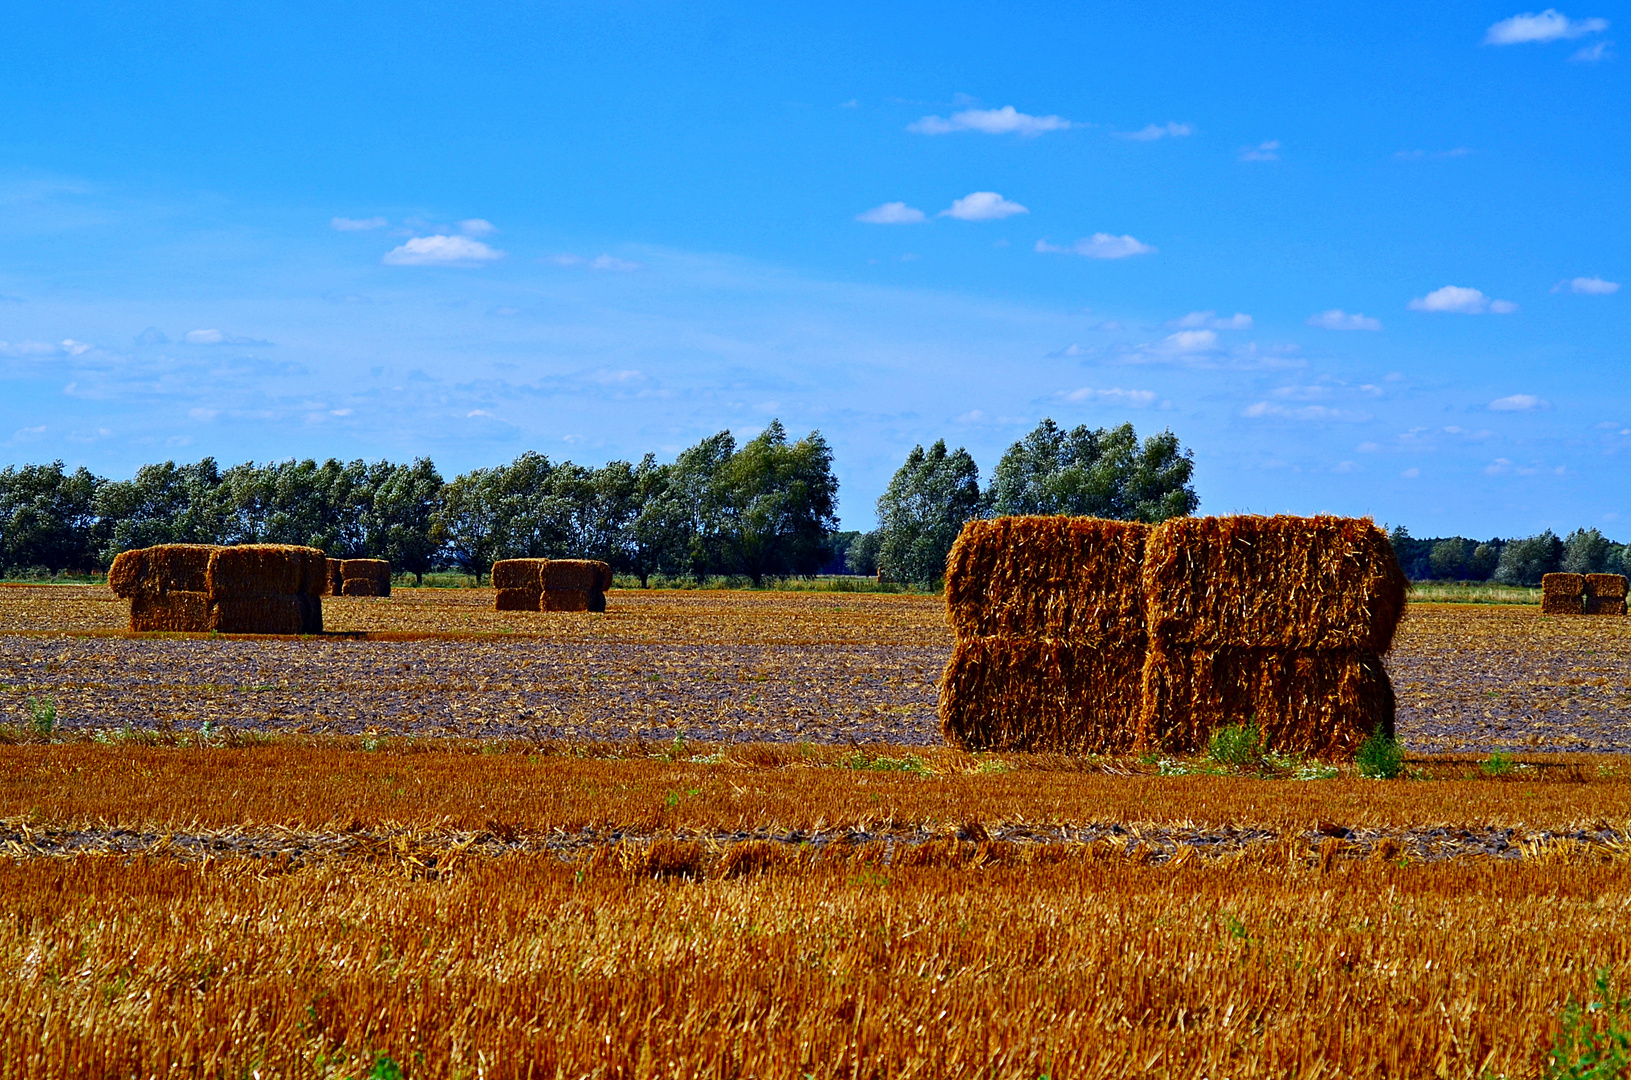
x,y
1508,562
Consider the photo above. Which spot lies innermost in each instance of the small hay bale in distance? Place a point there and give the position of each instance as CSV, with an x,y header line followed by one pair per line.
x,y
520,584
1606,586
1563,585
365,577
1021,693
1555,604
1063,578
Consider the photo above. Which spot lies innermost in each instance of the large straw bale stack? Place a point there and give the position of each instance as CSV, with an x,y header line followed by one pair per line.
x,y
365,577
576,584
1606,586
1273,582
1563,585
520,584
1024,693
251,589
1056,577
178,610
1276,621
155,571
1050,635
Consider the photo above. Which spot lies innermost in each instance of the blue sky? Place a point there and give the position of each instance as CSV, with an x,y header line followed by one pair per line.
x,y
1363,259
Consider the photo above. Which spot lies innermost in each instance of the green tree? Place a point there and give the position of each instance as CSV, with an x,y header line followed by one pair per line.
x,y
1483,561
47,516
861,557
925,506
1449,558
402,521
162,504
659,535
468,521
777,502
697,494
1524,562
1585,551
1103,473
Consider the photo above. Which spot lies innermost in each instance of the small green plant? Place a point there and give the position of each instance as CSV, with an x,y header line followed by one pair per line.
x,y
385,1068
1237,746
207,729
1499,764
1379,757
44,715
1594,1041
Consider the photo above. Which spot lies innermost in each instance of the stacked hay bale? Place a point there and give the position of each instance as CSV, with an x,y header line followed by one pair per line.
x,y
1277,621
519,583
1563,594
1050,635
364,577
249,589
576,585
1605,594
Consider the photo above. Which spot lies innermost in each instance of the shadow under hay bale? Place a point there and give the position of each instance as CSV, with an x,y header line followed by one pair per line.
x,y
365,577
1017,693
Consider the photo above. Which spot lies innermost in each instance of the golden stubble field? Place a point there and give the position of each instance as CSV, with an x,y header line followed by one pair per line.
x,y
377,857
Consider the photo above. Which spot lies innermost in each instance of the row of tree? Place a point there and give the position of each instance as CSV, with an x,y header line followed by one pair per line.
x,y
1509,562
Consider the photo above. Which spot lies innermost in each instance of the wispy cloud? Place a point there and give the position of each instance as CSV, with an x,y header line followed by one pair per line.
x,y
612,262
1337,319
215,337
1591,54
1263,151
1455,299
1151,132
892,213
477,227
982,206
441,251
1549,25
345,224
1588,286
1261,409
1100,246
1137,399
1004,121
1209,320
1519,403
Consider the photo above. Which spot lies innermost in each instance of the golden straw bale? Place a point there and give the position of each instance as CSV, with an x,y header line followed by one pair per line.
x,y
580,574
519,599
1322,702
1606,586
1552,604
178,611
1019,693
519,573
1604,605
1273,582
1065,578
365,577
278,613
1563,584
164,568
336,579
568,600
267,570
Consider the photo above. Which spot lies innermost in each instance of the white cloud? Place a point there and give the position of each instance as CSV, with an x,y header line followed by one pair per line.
x,y
1337,319
1070,351
1191,341
28,348
1591,54
1151,132
345,224
76,348
567,259
1589,286
1100,246
204,337
441,251
1457,300
1549,25
1518,403
1411,473
612,262
1004,121
1210,320
477,227
1138,399
1303,412
1263,151
982,206
892,213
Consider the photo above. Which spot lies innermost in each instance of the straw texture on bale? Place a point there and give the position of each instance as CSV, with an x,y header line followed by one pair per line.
x,y
1605,605
267,570
569,600
280,613
1320,702
176,611
519,599
365,577
1273,583
1016,693
578,574
519,573
336,579
1056,577
1553,604
1606,586
162,569
1563,584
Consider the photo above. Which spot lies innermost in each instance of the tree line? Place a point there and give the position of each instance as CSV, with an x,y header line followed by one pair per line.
x,y
1520,561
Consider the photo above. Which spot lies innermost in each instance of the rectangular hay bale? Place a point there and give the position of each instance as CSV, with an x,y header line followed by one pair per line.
x,y
1606,586
1062,578
519,599
280,613
1605,605
164,568
1278,582
568,600
1563,585
267,570
365,577
176,611
1553,604
1305,701
584,575
1021,693
519,573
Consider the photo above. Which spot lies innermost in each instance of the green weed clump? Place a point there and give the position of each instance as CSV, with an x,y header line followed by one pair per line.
x,y
1237,746
1594,1042
1379,757
1499,764
43,714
